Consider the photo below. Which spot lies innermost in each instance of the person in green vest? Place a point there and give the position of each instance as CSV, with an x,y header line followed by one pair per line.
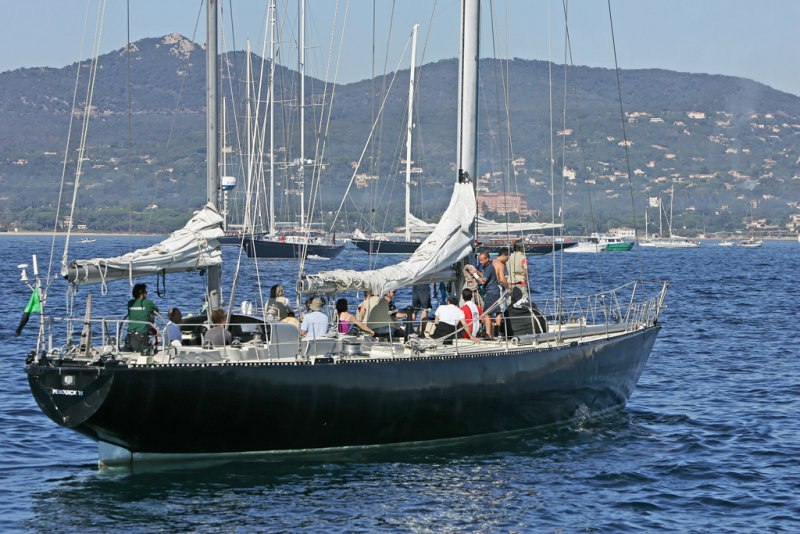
x,y
141,311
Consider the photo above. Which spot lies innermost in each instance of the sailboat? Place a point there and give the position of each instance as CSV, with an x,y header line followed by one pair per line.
x,y
303,243
752,242
407,245
272,392
671,240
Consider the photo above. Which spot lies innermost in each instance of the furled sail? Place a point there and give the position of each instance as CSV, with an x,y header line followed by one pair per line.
x,y
450,241
485,226
195,246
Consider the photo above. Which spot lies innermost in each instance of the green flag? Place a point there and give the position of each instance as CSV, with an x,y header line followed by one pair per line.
x,y
33,306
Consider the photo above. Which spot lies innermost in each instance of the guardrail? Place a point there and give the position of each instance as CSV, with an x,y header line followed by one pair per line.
x,y
625,308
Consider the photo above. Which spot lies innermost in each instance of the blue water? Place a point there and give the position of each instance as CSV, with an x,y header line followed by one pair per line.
x,y
709,442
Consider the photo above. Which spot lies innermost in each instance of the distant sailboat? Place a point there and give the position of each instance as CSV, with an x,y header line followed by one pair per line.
x,y
752,242
407,245
672,240
303,243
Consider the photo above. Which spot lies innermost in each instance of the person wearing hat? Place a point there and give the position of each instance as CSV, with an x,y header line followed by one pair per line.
x,y
315,323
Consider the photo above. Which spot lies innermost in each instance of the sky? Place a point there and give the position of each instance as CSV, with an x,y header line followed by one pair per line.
x,y
756,39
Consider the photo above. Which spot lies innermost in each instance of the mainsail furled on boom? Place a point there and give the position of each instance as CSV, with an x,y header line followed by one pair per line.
x,y
486,226
195,246
450,241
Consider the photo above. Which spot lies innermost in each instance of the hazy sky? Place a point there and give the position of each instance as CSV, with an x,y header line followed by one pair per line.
x,y
757,39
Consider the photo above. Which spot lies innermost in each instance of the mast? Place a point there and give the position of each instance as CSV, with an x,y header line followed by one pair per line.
x,y
249,146
301,63
212,171
272,118
671,200
410,126
467,132
468,91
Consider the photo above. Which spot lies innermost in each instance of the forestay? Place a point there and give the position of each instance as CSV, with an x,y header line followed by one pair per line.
x,y
195,246
450,241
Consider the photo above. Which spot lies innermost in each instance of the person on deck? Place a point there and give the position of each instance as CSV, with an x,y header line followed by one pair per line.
x,y
518,265
472,313
420,304
172,332
374,312
278,307
494,276
291,319
393,311
315,323
218,335
472,280
347,320
141,312
449,317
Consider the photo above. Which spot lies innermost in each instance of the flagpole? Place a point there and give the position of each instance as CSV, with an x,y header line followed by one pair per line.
x,y
38,289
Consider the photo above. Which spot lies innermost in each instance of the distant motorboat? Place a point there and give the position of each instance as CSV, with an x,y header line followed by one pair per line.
x,y
726,243
601,243
88,240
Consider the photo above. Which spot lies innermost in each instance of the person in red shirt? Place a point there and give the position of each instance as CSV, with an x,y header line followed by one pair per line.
x,y
472,313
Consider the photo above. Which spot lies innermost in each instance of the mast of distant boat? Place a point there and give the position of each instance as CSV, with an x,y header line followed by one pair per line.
x,y
409,128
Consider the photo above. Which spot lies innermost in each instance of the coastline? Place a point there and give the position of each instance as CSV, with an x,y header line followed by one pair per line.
x,y
30,233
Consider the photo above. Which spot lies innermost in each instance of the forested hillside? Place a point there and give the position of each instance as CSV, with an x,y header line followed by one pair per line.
x,y
721,142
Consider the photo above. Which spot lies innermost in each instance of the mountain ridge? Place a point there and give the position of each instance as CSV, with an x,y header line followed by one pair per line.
x,y
747,129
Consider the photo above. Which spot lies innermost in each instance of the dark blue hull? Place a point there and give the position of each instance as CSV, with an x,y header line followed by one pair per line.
x,y
378,246
531,249
274,248
236,407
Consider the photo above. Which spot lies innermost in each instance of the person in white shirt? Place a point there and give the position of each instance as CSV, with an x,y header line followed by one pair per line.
x,y
448,318
315,323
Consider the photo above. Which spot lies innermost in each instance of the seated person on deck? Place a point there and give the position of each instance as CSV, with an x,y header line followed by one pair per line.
x,y
315,323
449,317
218,335
376,315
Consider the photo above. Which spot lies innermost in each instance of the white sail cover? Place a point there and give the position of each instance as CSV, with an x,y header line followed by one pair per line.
x,y
195,246
485,226
450,241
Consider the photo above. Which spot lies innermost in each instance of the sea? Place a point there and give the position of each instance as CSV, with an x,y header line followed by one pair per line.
x,y
709,441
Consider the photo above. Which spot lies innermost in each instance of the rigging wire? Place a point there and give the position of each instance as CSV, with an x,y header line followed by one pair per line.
x,y
185,71
72,115
581,140
625,146
85,125
130,133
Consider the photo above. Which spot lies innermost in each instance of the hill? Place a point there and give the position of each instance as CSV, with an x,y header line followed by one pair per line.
x,y
722,142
